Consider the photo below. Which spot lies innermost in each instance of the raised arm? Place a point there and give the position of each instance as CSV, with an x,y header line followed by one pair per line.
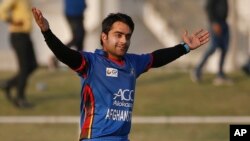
x,y
166,55
66,55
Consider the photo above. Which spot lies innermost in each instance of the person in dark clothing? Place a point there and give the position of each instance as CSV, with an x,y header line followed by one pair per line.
x,y
109,74
17,14
74,13
217,12
246,67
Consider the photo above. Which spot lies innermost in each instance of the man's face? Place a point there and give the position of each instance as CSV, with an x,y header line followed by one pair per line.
x,y
117,42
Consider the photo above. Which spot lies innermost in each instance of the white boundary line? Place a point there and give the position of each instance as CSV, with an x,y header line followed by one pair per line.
x,y
136,119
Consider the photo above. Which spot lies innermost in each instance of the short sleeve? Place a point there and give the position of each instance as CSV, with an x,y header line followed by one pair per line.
x,y
141,63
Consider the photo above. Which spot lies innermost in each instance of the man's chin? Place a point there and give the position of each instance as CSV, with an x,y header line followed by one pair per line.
x,y
121,52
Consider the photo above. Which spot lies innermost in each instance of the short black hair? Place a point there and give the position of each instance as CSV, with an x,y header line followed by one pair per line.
x,y
114,17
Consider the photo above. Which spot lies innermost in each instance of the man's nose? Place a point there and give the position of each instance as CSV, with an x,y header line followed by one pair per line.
x,y
123,39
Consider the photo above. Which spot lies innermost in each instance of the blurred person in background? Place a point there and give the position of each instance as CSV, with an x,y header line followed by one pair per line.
x,y
108,75
246,66
244,18
217,12
74,14
16,13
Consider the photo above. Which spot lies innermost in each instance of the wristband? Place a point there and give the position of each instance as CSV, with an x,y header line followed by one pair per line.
x,y
186,47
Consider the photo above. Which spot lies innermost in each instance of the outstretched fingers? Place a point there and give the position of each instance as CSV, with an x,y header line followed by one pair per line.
x,y
204,37
40,20
37,15
198,32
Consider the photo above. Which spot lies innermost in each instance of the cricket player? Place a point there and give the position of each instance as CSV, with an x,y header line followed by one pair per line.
x,y
109,74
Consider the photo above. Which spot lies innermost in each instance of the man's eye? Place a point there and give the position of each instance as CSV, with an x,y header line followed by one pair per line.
x,y
119,35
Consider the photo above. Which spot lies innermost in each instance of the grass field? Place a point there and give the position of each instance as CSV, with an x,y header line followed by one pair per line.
x,y
165,132
158,93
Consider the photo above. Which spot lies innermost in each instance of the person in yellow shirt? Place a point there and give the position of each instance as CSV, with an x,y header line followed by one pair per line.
x,y
16,13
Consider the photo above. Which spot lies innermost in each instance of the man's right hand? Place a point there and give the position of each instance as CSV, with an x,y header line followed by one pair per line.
x,y
40,20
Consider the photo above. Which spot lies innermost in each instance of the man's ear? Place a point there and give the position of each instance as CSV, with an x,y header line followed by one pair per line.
x,y
104,36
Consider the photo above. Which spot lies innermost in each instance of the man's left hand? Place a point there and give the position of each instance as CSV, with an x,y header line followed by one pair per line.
x,y
196,39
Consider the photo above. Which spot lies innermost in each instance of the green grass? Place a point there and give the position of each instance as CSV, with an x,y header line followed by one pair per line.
x,y
168,93
158,93
180,132
163,132
39,132
61,96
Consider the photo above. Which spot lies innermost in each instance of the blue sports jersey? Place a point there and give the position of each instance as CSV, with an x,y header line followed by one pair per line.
x,y
107,95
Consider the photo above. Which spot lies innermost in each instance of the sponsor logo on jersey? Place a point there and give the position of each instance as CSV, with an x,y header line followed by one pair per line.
x,y
123,103
124,95
124,98
111,72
